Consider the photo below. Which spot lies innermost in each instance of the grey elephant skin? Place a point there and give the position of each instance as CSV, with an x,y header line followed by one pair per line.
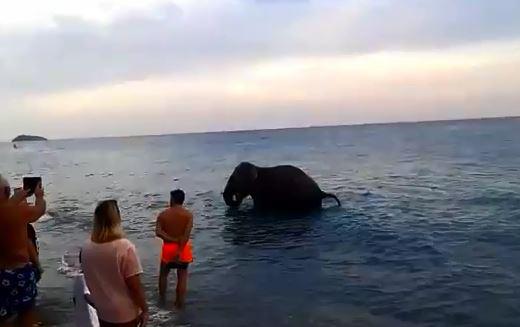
x,y
283,188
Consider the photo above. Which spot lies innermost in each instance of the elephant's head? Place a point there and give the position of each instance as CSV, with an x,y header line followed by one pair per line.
x,y
240,184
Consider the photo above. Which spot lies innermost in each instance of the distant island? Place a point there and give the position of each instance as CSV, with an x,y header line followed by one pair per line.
x,y
23,138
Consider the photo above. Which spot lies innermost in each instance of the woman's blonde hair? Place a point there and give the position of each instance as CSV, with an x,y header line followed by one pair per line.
x,y
107,222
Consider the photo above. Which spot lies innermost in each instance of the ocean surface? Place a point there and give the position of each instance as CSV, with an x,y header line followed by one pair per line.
x,y
428,235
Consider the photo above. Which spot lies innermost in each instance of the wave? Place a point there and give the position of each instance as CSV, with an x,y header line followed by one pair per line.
x,y
45,217
69,265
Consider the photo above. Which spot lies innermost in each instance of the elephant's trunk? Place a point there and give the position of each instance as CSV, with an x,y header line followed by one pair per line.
x,y
231,198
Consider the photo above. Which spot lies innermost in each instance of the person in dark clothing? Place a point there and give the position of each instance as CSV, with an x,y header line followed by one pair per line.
x,y
34,252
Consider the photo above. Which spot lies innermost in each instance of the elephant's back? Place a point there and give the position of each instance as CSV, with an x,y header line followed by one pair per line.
x,y
286,187
294,177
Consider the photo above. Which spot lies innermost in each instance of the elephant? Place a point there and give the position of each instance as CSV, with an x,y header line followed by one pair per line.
x,y
285,188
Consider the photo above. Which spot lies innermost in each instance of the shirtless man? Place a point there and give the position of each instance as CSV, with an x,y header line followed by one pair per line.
x,y
17,274
174,228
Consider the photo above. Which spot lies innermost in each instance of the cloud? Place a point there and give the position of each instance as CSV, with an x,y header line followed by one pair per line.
x,y
300,91
73,68
34,14
185,36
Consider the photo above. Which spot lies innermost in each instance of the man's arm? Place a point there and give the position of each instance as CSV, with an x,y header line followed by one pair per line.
x,y
132,270
33,213
187,231
138,296
160,233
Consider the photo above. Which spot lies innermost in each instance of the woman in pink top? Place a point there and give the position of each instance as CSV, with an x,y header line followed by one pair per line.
x,y
112,271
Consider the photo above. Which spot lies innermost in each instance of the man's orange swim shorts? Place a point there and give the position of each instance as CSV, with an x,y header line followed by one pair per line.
x,y
173,254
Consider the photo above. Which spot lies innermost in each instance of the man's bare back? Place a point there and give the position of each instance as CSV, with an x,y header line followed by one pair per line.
x,y
175,221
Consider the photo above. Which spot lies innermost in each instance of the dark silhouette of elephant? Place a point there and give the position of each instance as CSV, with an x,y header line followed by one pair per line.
x,y
284,188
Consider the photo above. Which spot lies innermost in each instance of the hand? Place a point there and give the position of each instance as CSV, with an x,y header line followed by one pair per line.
x,y
20,192
19,196
38,191
143,319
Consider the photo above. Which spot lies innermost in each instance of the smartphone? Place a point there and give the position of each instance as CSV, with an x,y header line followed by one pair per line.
x,y
30,183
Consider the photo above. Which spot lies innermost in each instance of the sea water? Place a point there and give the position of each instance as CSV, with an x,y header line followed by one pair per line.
x,y
428,234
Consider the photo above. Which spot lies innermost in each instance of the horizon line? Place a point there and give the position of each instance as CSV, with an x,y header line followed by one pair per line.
x,y
281,128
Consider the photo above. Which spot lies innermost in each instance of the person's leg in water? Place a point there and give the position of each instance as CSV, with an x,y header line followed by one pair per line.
x,y
163,282
7,324
28,318
182,285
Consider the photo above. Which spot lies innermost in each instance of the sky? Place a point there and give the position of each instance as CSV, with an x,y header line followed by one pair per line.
x,y
73,68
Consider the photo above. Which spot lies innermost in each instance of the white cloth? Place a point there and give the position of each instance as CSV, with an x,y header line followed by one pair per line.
x,y
84,314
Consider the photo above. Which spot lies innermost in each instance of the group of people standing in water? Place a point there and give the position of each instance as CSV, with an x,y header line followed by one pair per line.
x,y
110,262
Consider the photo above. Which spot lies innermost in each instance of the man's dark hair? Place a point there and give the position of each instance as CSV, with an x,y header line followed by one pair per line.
x,y
177,197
